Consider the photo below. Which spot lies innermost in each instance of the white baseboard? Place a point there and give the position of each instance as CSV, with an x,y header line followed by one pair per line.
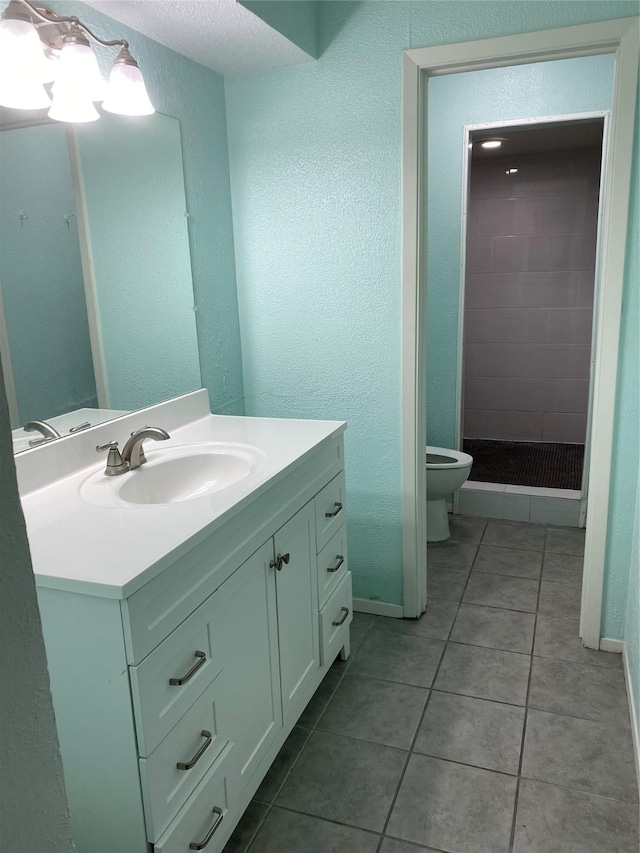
x,y
379,608
609,645
633,714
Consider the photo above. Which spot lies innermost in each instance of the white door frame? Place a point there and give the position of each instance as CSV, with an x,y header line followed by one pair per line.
x,y
618,37
537,121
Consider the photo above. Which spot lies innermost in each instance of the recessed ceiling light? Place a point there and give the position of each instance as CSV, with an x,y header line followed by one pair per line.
x,y
511,171
491,143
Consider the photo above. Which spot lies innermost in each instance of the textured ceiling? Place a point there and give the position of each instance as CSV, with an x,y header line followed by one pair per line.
x,y
220,34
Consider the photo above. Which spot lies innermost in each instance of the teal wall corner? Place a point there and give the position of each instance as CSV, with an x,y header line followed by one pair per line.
x,y
296,21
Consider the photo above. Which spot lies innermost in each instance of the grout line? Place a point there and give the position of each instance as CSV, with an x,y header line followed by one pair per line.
x,y
514,819
431,690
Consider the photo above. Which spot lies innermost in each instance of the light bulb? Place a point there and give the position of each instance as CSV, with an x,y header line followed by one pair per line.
x,y
127,93
71,105
78,71
491,143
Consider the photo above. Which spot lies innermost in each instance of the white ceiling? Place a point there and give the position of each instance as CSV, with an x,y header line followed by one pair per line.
x,y
220,34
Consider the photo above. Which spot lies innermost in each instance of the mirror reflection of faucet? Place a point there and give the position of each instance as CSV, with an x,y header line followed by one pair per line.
x,y
47,432
132,455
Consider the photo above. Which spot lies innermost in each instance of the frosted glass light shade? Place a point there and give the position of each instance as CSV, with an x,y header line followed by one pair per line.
x,y
78,72
22,92
68,105
20,45
127,93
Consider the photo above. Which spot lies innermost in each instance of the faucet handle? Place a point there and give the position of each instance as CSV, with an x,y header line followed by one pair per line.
x,y
115,463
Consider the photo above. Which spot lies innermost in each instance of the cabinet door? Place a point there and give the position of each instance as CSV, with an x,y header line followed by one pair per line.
x,y
250,708
297,593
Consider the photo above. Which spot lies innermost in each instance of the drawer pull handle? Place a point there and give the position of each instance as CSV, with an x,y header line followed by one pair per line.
x,y
200,845
281,559
341,621
335,568
189,675
333,513
187,765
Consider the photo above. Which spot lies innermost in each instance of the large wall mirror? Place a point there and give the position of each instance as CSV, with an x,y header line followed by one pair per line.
x,y
97,314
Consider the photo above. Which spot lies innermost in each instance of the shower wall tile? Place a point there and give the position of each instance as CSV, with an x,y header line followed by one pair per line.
x,y
495,216
492,290
549,289
530,252
514,426
532,361
561,426
528,395
586,289
574,251
542,176
529,296
475,423
571,396
478,253
506,325
570,325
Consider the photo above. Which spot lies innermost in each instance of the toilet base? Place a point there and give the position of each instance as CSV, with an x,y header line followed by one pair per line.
x,y
437,520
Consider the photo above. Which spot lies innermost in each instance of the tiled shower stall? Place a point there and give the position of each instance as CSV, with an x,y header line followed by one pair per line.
x,y
529,293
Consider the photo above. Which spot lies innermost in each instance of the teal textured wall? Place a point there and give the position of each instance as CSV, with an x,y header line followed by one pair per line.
x,y
315,162
41,275
497,94
195,95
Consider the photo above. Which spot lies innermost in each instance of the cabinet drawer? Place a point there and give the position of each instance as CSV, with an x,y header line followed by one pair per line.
x,y
195,741
335,618
193,655
330,510
204,811
332,565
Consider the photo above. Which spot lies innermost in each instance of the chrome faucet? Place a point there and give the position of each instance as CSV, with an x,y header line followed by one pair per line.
x,y
46,430
132,452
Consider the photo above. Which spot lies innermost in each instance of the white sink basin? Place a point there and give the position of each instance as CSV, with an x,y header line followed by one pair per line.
x,y
174,475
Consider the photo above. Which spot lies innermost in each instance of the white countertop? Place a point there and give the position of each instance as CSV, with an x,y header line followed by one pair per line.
x,y
112,551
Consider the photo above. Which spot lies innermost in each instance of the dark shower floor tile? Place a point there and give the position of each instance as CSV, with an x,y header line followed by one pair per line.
x,y
526,463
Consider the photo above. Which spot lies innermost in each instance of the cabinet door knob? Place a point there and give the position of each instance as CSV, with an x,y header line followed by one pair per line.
x,y
341,621
335,568
187,765
280,561
200,845
333,513
202,659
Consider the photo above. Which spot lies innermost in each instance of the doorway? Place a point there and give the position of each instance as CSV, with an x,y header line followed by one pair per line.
x,y
530,217
617,37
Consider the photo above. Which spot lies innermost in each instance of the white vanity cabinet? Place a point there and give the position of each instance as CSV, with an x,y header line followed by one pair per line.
x,y
172,702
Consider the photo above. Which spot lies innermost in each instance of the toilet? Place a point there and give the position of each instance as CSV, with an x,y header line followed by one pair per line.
x,y
447,470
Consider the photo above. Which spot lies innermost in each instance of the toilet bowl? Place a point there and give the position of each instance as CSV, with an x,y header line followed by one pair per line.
x,y
447,470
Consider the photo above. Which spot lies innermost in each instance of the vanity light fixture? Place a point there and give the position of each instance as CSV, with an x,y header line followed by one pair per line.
x,y
37,46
